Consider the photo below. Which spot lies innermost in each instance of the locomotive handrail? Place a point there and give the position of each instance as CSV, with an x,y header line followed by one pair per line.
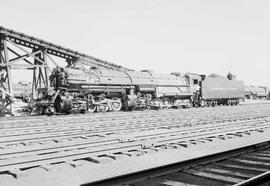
x,y
54,49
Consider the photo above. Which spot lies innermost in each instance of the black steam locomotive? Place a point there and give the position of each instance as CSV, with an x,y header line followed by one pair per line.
x,y
82,89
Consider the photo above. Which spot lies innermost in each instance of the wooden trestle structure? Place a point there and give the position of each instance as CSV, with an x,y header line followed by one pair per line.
x,y
21,51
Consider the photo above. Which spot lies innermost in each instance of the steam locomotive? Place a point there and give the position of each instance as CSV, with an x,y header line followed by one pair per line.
x,y
81,89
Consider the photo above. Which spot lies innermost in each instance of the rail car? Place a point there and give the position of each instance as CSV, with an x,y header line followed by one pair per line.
x,y
215,90
256,92
81,89
22,90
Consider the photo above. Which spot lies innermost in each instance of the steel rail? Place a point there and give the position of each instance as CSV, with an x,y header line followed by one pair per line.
x,y
114,126
186,111
111,141
92,141
62,156
260,179
84,139
93,129
24,124
27,120
140,176
56,136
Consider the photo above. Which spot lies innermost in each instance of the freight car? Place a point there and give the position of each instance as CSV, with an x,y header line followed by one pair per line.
x,y
256,92
22,90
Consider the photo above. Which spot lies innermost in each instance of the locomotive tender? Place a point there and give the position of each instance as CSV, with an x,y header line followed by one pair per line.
x,y
81,89
218,90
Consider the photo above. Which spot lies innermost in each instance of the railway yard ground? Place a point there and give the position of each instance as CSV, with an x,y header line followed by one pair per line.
x,y
250,101
222,145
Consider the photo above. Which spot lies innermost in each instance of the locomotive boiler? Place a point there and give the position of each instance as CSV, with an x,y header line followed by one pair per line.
x,y
95,89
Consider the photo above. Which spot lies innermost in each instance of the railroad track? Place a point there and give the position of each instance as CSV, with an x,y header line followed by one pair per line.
x,y
41,144
191,117
54,131
21,158
247,166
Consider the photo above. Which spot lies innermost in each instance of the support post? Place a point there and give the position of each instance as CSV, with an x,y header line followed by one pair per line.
x,y
40,73
5,79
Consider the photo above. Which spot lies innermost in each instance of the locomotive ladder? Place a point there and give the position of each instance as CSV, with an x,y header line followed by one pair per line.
x,y
21,51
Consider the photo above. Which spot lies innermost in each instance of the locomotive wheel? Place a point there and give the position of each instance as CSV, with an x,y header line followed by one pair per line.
x,y
180,106
202,103
102,108
36,111
92,108
166,103
156,104
188,105
50,111
116,104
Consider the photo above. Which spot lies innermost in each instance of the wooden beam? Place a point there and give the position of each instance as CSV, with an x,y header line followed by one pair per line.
x,y
34,82
1,51
22,66
8,68
51,59
1,57
46,70
6,76
17,54
3,86
42,77
19,47
19,58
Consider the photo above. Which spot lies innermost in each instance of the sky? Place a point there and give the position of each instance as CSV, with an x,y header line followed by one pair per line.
x,y
200,36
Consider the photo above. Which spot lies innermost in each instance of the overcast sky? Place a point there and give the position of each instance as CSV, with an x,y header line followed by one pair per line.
x,y
202,36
